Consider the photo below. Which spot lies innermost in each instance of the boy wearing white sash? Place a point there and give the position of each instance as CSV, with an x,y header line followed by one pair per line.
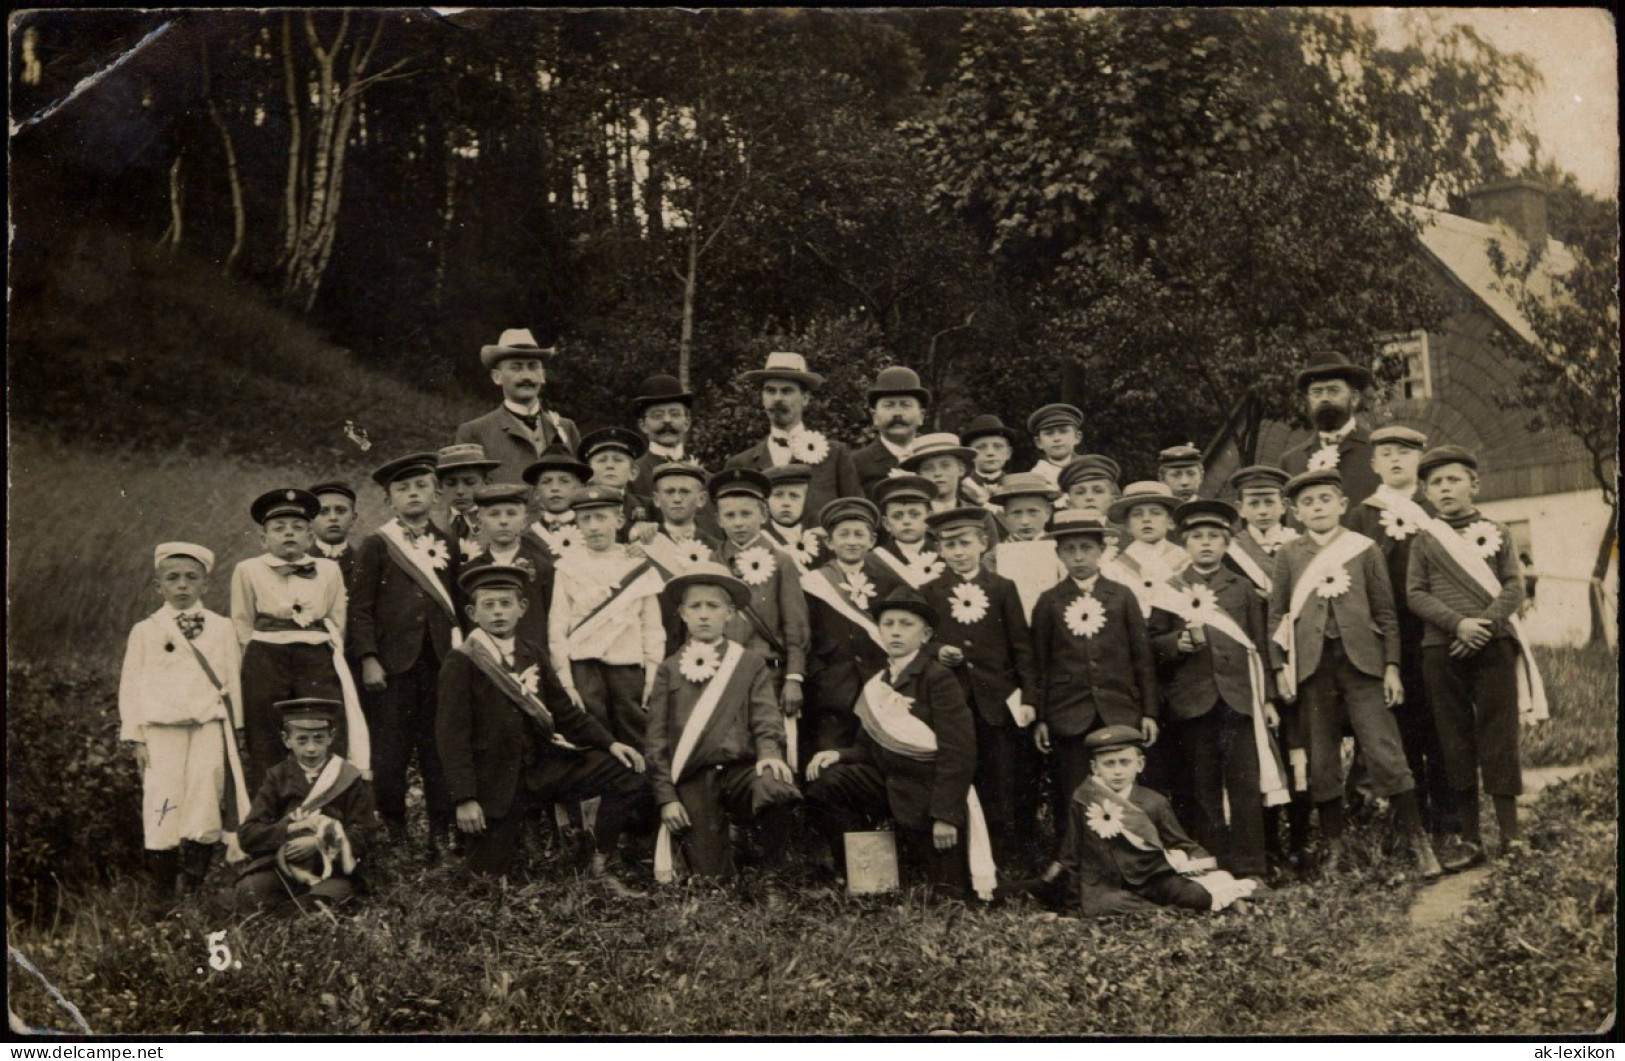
x,y
1026,558
1149,560
904,501
289,610
913,760
1335,648
554,478
404,621
715,742
502,727
1206,629
982,635
792,528
312,818
677,544
1125,852
1387,517
604,632
1466,583
845,646
180,715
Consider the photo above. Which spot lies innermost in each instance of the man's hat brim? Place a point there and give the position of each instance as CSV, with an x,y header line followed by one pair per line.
x,y
1355,376
737,591
757,376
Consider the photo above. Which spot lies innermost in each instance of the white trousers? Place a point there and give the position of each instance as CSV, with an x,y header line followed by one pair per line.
x,y
183,785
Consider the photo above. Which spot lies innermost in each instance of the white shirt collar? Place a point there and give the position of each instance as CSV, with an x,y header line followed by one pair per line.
x,y
909,550
505,646
661,451
505,556
170,612
1393,494
1087,584
533,409
332,552
789,435
900,664
791,534
553,519
1324,540
895,450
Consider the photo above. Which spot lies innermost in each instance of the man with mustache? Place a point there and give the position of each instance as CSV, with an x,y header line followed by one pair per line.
x,y
897,402
520,429
1333,388
787,386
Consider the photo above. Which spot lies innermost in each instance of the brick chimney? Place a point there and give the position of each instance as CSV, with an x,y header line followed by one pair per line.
x,y
1520,204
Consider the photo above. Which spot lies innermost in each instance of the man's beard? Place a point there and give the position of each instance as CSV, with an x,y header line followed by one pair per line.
x,y
1329,416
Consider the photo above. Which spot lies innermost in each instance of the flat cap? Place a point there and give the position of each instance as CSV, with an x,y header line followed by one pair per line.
x,y
1398,434
902,488
789,474
617,439
1179,456
1442,455
1051,415
1257,476
744,481
309,709
334,487
843,509
1205,512
1088,466
284,501
493,576
1111,738
501,493
403,467
1304,480
596,497
170,550
953,518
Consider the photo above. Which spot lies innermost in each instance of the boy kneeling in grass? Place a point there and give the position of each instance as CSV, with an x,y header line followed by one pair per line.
x,y
1125,851
914,759
501,718
312,817
715,740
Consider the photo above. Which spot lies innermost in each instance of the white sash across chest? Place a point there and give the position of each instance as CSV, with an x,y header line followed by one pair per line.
x,y
704,708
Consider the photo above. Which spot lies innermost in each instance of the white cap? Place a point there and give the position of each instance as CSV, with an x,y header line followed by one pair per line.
x,y
186,549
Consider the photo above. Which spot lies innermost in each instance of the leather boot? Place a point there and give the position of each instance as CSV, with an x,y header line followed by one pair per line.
x,y
163,866
195,860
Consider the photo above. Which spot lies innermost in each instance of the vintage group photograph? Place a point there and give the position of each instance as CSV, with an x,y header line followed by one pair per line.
x,y
1064,523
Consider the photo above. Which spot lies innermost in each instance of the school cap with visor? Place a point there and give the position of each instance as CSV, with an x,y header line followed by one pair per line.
x,y
284,501
170,550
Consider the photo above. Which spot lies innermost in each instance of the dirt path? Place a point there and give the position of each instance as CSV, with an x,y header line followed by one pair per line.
x,y
1435,912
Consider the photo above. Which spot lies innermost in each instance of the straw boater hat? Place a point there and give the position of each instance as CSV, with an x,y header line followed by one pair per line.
x,y
463,455
514,342
708,573
1142,493
784,365
941,444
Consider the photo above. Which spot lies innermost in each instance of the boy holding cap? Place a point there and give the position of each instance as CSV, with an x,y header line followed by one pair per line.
x,y
1057,431
1095,666
716,737
522,427
180,713
604,632
845,645
1179,468
914,758
335,519
982,636
403,622
312,817
774,622
1336,650
1467,585
1206,629
1386,517
1125,851
501,707
461,470
787,516
554,479
289,611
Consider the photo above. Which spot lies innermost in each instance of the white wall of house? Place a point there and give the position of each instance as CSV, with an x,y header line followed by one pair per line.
x,y
1564,531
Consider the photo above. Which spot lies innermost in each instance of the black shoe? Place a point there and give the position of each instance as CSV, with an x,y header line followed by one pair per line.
x,y
1456,854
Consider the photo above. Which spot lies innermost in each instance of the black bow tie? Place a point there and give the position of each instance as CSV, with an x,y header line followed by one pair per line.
x,y
780,440
191,625
304,570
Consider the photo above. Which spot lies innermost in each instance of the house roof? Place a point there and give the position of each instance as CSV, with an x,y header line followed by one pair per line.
x,y
1462,247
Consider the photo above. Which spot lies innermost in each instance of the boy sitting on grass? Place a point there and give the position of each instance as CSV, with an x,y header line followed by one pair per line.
x,y
1124,851
502,710
312,817
180,714
913,760
715,741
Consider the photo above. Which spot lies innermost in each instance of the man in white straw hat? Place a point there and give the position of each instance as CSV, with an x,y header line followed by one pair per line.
x,y
516,432
786,387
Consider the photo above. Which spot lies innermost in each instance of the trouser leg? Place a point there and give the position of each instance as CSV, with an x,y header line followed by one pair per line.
x,y
1068,768
997,748
846,797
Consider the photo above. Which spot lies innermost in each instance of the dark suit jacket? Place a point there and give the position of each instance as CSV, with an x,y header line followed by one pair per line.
x,y
642,487
487,742
1396,553
832,477
919,793
1098,864
389,613
998,647
1366,620
538,588
842,656
1353,463
1109,678
873,463
1192,683
747,725
507,440
284,788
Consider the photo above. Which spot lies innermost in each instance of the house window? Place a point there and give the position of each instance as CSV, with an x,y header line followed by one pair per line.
x,y
1410,352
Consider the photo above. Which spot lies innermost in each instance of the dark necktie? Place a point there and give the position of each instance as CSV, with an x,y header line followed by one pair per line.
x,y
780,440
191,625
